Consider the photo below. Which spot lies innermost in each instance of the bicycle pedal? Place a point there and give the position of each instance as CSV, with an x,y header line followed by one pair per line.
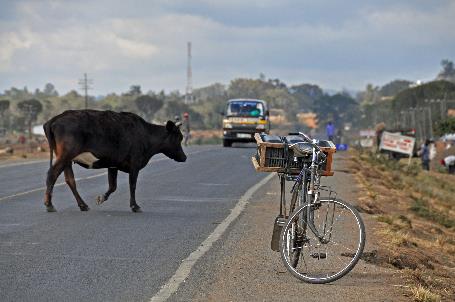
x,y
319,255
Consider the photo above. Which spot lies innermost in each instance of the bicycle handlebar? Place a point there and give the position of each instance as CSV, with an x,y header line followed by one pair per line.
x,y
311,141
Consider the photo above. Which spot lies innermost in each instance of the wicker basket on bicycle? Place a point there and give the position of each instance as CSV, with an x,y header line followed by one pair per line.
x,y
274,155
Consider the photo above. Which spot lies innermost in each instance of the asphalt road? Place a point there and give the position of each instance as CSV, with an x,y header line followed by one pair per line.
x,y
110,253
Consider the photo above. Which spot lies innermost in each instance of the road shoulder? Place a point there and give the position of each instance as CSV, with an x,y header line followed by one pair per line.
x,y
242,267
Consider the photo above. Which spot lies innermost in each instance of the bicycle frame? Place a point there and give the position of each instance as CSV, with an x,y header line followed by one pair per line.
x,y
308,181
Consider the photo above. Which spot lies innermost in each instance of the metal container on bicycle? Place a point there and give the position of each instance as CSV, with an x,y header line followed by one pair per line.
x,y
274,155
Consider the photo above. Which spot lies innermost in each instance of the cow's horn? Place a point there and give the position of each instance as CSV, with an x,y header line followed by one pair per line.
x,y
178,124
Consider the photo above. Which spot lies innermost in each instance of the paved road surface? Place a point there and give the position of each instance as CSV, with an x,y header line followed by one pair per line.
x,y
109,253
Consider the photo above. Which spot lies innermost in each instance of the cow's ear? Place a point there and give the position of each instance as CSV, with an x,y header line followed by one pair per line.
x,y
170,126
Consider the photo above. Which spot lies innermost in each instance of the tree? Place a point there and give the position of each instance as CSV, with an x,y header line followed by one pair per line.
x,y
30,110
448,71
4,105
248,88
172,108
416,96
149,105
134,90
394,87
281,99
446,126
338,108
14,93
49,90
369,96
209,92
277,83
306,95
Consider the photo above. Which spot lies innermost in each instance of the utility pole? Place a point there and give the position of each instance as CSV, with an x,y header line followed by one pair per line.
x,y
403,122
189,77
424,121
85,85
431,122
417,123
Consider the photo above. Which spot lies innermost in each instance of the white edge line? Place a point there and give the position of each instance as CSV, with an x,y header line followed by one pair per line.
x,y
172,285
78,179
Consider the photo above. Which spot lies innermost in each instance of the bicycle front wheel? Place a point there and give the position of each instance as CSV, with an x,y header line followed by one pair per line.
x,y
329,237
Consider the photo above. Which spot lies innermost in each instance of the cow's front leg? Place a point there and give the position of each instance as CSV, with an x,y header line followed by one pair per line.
x,y
112,178
133,179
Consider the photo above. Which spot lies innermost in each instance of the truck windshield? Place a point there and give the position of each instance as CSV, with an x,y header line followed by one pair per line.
x,y
245,108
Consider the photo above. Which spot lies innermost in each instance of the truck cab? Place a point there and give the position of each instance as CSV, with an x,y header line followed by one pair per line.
x,y
243,118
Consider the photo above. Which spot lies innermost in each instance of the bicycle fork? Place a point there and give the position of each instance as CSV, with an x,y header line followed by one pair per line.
x,y
311,198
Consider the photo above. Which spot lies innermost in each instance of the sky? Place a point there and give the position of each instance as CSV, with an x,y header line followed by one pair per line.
x,y
335,44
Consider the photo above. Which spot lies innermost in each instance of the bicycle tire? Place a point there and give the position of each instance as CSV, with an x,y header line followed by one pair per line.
x,y
291,264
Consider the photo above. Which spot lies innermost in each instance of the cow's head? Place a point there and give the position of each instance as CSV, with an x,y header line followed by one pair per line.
x,y
172,146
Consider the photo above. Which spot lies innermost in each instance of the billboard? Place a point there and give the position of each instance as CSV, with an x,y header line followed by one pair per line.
x,y
397,143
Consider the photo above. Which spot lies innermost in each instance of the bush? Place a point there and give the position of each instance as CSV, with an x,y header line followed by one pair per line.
x,y
445,126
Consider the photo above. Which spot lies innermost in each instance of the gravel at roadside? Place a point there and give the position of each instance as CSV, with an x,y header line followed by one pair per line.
x,y
242,267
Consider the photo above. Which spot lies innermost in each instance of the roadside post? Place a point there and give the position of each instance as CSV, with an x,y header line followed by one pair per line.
x,y
397,143
367,138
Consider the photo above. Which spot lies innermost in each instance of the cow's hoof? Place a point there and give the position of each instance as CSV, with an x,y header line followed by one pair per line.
x,y
100,199
136,209
50,209
84,208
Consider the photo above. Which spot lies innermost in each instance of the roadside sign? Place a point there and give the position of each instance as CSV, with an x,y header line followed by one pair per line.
x,y
367,142
397,143
367,133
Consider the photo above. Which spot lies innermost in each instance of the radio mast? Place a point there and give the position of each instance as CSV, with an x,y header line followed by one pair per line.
x,y
85,85
189,78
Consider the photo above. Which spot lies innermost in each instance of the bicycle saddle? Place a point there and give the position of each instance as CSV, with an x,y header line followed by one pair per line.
x,y
302,149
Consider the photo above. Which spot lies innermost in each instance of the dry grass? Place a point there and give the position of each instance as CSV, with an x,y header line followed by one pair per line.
x,y
397,238
415,211
422,294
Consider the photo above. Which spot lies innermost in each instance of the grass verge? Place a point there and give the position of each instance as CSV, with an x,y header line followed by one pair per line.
x,y
415,211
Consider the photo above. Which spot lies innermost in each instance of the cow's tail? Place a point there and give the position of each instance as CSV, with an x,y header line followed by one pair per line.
x,y
50,140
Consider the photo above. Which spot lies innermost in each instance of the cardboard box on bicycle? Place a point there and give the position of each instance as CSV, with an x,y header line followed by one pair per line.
x,y
273,156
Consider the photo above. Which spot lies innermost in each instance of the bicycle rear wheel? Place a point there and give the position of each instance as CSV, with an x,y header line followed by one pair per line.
x,y
329,257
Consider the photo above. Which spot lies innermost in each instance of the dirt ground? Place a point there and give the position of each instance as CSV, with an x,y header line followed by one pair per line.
x,y
242,267
11,150
415,212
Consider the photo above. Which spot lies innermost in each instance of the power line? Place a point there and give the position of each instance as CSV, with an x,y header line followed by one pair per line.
x,y
85,85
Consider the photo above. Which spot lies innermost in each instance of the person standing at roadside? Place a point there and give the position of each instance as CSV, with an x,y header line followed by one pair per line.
x,y
330,130
425,155
186,128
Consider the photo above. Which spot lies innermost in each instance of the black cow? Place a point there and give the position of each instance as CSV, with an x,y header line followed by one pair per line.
x,y
106,139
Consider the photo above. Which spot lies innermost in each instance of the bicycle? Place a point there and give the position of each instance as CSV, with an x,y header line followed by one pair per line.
x,y
323,237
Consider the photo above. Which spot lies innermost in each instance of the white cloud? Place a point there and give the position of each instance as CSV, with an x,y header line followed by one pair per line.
x,y
61,40
10,44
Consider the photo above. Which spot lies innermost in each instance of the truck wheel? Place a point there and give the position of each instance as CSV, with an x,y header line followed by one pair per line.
x,y
227,143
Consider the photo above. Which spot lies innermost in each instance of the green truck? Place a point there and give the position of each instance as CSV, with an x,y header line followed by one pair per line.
x,y
243,118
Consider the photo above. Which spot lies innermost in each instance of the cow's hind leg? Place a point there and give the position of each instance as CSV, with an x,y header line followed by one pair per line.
x,y
112,178
52,174
133,179
71,182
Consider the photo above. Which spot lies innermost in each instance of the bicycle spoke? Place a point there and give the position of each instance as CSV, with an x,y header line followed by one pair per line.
x,y
323,261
